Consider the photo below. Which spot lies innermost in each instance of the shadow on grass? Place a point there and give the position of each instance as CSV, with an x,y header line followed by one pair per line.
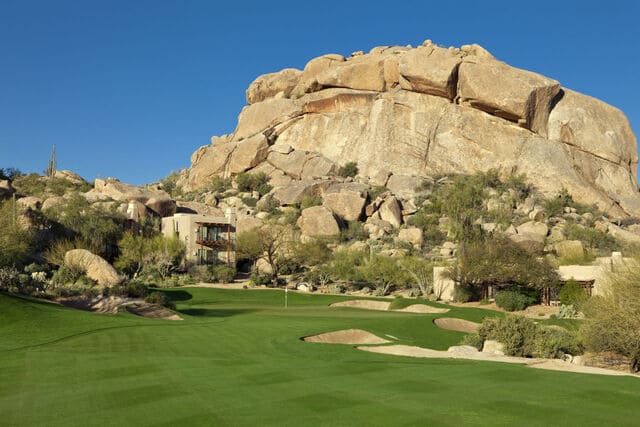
x,y
210,312
176,295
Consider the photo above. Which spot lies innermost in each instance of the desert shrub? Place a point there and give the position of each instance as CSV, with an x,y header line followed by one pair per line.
x,y
554,206
524,338
249,201
573,294
269,204
516,333
66,275
613,318
375,191
36,268
429,223
219,184
253,182
511,300
159,298
349,169
554,342
567,312
260,280
170,184
591,238
318,276
222,273
354,231
98,229
9,280
136,289
474,340
310,201
14,240
464,293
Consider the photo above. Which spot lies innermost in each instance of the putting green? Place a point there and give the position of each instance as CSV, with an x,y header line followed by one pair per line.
x,y
237,359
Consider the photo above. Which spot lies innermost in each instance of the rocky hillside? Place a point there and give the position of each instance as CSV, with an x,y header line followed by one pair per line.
x,y
408,113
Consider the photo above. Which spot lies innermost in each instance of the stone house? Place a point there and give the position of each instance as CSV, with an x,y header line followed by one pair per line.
x,y
208,239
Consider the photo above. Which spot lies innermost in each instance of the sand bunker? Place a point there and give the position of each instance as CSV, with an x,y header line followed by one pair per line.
x,y
384,306
421,308
348,336
363,303
459,325
471,353
152,311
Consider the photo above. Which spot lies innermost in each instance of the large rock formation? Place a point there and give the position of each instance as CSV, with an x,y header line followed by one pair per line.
x,y
399,111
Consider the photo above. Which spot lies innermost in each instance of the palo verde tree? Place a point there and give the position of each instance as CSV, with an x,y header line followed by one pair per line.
x,y
271,243
501,263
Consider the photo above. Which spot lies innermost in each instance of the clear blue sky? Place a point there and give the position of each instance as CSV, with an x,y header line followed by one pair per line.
x,y
131,88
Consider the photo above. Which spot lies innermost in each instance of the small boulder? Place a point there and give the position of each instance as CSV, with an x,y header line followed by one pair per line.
x,y
318,221
412,235
493,347
94,266
346,200
29,202
391,211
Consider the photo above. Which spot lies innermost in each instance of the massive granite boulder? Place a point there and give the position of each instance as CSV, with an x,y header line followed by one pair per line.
x,y
154,199
400,111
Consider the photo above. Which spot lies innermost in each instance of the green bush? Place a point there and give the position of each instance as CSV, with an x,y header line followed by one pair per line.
x,y
260,280
222,273
159,298
554,342
253,182
591,238
36,268
516,333
66,275
269,204
524,338
136,289
348,170
353,232
9,280
512,300
310,201
572,293
567,312
219,184
474,340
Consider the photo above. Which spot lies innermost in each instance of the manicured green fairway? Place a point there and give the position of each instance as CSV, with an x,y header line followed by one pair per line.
x,y
237,359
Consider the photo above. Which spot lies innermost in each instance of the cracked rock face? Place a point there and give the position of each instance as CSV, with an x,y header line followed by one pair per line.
x,y
429,111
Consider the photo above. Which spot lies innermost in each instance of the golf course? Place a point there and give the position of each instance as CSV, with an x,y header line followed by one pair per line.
x,y
237,358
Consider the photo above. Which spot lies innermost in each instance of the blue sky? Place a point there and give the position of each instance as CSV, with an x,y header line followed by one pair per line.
x,y
131,88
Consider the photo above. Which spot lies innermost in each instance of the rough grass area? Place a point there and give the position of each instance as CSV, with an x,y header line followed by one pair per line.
x,y
237,359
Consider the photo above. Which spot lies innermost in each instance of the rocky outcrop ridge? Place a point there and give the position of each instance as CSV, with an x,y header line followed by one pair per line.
x,y
407,113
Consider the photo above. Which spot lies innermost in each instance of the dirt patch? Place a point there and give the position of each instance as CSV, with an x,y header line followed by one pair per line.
x,y
151,311
363,303
471,353
454,324
421,308
348,336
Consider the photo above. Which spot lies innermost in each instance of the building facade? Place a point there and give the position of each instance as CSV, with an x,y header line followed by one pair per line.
x,y
208,239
